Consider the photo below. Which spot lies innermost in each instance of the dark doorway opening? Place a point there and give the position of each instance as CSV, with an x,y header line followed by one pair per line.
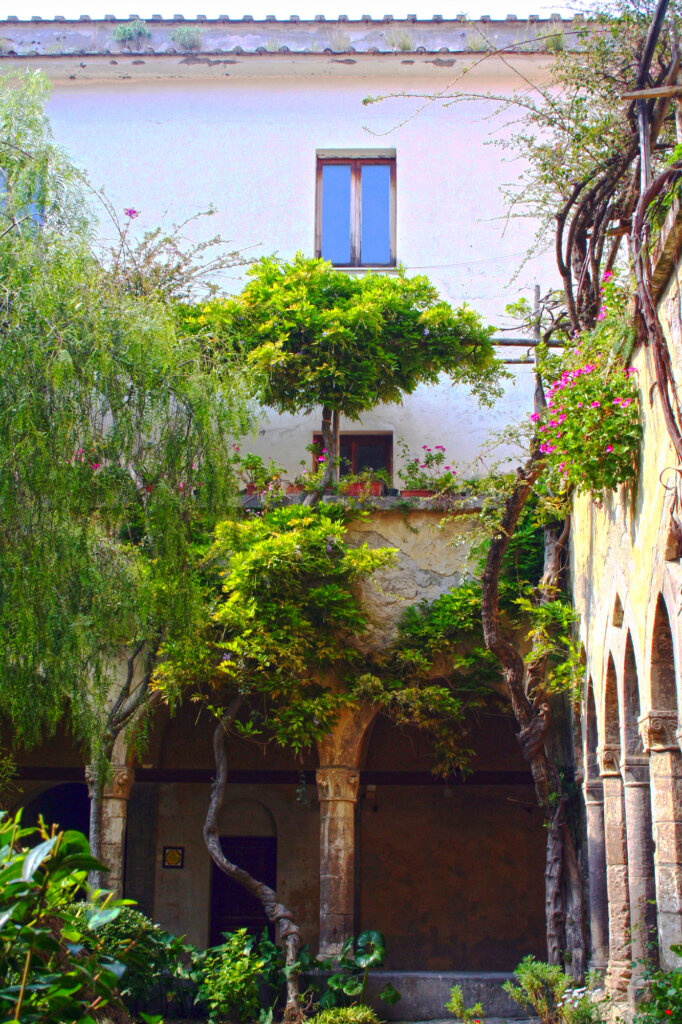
x,y
66,805
232,906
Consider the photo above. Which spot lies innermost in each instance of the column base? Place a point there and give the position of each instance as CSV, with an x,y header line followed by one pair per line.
x,y
618,975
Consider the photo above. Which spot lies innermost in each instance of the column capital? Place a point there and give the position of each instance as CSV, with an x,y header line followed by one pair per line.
x,y
337,783
608,758
658,730
119,783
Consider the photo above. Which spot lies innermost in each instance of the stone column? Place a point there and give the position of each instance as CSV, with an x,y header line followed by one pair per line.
x,y
657,729
596,866
114,812
619,967
640,858
337,789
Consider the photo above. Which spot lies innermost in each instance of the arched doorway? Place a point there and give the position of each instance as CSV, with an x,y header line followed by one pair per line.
x,y
249,840
66,805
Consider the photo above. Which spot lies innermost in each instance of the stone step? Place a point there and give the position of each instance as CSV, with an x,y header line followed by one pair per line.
x,y
425,993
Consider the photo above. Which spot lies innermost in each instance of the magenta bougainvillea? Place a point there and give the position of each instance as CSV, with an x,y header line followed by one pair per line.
x,y
590,431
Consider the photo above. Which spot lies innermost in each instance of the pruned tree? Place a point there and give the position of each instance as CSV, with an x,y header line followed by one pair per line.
x,y
322,338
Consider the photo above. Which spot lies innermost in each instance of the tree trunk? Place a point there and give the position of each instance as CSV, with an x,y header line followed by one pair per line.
x,y
522,681
328,443
275,912
94,775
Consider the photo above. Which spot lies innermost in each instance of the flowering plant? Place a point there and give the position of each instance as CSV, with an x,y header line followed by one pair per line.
x,y
427,471
253,473
590,430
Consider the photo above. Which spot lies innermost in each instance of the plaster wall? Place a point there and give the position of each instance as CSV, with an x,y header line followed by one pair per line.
x,y
183,897
247,144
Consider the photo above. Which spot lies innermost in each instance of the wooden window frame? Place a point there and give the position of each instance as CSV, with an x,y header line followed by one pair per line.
x,y
356,165
356,436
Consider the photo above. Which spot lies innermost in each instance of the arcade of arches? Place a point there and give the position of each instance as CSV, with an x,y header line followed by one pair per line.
x,y
363,835
626,580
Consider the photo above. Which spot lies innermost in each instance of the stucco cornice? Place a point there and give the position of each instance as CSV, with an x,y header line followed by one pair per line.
x,y
37,37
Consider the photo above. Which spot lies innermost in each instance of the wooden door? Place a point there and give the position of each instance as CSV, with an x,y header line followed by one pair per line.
x,y
232,906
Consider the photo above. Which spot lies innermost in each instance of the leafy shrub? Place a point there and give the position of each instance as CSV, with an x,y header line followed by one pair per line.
x,y
132,33
350,980
155,960
663,1001
54,968
546,992
357,1014
229,979
188,38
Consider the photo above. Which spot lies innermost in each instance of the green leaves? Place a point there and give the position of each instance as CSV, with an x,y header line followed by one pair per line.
x,y
115,448
317,336
51,967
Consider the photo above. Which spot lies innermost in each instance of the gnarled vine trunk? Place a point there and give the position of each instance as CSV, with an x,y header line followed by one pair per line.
x,y
276,913
563,886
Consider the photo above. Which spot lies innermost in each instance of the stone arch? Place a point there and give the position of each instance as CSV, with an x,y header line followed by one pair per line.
x,y
66,804
611,717
590,733
632,744
662,671
617,614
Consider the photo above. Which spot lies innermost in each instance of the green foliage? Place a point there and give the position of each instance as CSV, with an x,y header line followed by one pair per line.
x,y
547,993
54,967
349,981
591,429
427,471
188,38
153,957
663,1000
229,979
319,336
287,619
457,1006
132,33
356,1014
115,432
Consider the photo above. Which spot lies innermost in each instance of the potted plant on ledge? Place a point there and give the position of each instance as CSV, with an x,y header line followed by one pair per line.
x,y
425,475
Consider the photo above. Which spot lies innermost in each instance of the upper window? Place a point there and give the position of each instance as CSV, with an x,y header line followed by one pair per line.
x,y
356,210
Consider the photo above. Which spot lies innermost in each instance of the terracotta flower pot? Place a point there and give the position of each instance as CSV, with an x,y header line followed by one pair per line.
x,y
417,494
359,490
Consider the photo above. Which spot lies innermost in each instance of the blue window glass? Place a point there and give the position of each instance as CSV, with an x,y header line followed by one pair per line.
x,y
336,180
375,242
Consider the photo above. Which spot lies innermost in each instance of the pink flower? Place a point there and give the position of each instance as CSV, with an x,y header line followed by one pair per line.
x,y
181,486
321,458
535,416
625,401
607,275
609,448
602,313
132,212
595,405
580,405
630,370
95,465
562,417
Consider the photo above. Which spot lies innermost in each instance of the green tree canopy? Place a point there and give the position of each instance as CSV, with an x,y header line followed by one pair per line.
x,y
322,337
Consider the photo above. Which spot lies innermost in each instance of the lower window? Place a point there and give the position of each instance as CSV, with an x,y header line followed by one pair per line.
x,y
361,452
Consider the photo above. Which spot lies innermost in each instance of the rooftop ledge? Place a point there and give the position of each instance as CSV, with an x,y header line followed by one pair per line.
x,y
61,37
